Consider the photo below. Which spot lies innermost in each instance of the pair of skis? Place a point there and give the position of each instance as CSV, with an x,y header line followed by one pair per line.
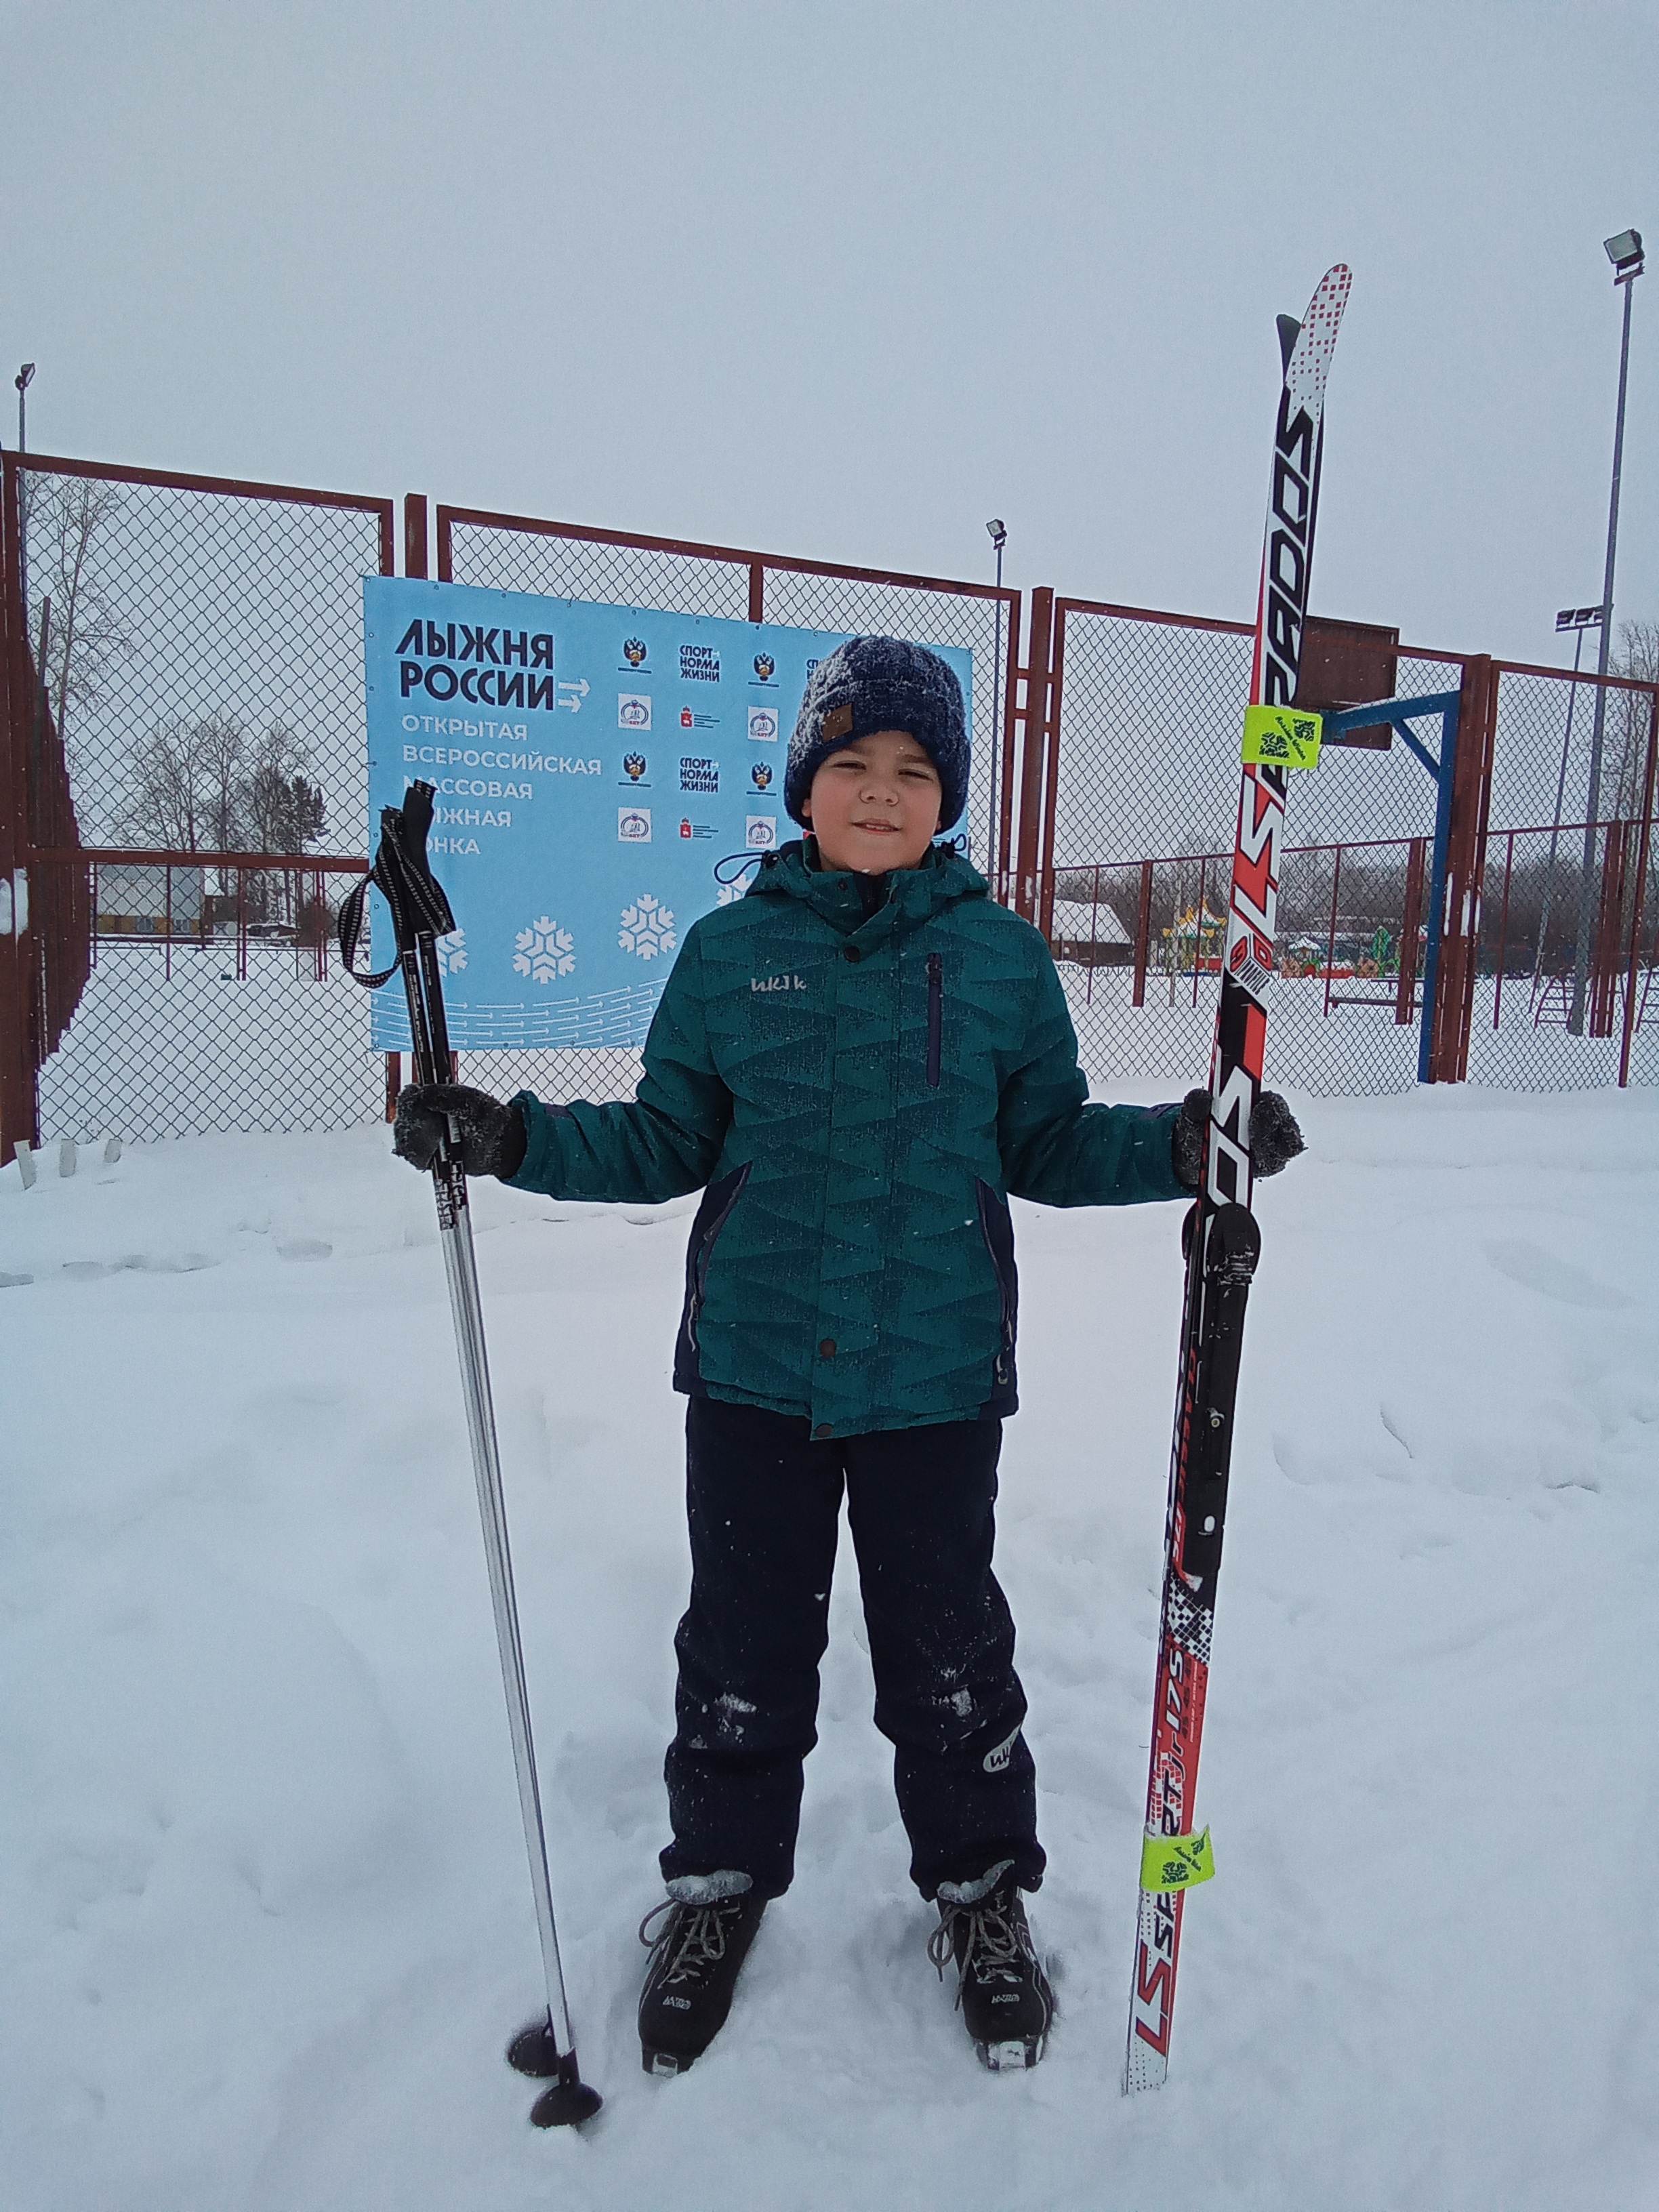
x,y
1222,1242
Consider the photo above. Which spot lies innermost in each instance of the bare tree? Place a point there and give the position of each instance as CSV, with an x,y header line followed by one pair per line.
x,y
283,811
63,516
168,797
200,787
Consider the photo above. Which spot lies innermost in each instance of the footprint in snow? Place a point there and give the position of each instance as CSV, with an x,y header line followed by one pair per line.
x,y
304,1247
1536,1269
88,1270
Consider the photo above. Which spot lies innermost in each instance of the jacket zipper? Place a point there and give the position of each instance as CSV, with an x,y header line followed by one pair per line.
x,y
1005,1357
935,1015
705,1253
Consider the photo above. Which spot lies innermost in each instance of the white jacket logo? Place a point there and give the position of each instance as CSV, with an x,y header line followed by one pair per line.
x,y
994,1761
777,982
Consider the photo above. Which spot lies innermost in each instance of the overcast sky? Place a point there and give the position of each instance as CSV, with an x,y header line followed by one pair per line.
x,y
845,279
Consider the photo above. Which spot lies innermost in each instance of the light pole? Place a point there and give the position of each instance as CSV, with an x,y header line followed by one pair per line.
x,y
1625,252
1577,619
998,531
24,378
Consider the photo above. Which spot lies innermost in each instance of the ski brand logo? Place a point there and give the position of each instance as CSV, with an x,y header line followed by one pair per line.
x,y
777,982
996,1761
1172,1863
1276,736
1229,1139
1297,440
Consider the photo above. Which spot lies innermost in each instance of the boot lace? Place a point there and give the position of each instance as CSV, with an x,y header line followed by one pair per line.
x,y
693,1943
995,1942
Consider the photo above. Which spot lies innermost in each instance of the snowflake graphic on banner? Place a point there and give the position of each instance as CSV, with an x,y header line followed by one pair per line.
x,y
729,894
451,952
545,952
647,928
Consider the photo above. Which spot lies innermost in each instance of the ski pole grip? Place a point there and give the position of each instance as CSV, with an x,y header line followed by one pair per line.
x,y
424,909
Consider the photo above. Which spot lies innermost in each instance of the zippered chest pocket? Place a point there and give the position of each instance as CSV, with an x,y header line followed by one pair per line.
x,y
935,1016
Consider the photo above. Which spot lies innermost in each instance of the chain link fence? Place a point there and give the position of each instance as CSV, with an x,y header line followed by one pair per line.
x,y
186,663
185,700
1569,916
1140,840
199,1012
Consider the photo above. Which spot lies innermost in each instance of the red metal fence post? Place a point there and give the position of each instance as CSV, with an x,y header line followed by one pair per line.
x,y
1002,824
17,1091
1143,933
1033,716
1639,901
1453,1011
415,541
1050,729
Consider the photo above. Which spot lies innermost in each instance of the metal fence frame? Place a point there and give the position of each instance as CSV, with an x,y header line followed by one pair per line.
x,y
1497,811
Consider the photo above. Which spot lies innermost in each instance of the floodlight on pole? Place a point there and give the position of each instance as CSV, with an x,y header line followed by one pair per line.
x,y
997,529
1625,252
24,378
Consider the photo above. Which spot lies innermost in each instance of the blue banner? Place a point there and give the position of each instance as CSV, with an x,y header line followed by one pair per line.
x,y
605,775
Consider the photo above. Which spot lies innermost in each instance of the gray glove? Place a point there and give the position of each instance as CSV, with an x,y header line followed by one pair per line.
x,y
493,1138
1275,1140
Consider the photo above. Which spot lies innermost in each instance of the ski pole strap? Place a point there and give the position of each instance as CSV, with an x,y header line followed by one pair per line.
x,y
404,880
1171,1862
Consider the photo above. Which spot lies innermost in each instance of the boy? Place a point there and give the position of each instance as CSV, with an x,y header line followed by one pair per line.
x,y
860,1059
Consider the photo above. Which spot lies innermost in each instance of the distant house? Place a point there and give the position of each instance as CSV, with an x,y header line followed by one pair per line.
x,y
1089,934
135,901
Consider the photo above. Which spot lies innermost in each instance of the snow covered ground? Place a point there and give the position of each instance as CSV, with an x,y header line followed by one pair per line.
x,y
267,1922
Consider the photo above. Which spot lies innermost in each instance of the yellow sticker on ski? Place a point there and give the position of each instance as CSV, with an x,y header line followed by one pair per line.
x,y
1282,737
1170,1863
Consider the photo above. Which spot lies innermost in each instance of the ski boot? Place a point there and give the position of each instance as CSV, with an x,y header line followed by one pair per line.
x,y
1004,1994
695,1954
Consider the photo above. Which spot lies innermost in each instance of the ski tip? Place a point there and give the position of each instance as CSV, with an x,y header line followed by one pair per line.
x,y
1289,332
1315,342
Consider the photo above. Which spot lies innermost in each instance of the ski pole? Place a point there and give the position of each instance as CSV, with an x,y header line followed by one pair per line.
x,y
546,2049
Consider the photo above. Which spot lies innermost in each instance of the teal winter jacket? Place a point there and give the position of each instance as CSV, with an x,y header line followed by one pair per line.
x,y
860,1096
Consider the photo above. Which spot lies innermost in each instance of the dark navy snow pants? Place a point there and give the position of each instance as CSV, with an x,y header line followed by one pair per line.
x,y
763,1500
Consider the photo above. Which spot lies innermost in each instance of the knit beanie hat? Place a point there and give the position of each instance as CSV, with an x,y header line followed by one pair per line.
x,y
872,684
